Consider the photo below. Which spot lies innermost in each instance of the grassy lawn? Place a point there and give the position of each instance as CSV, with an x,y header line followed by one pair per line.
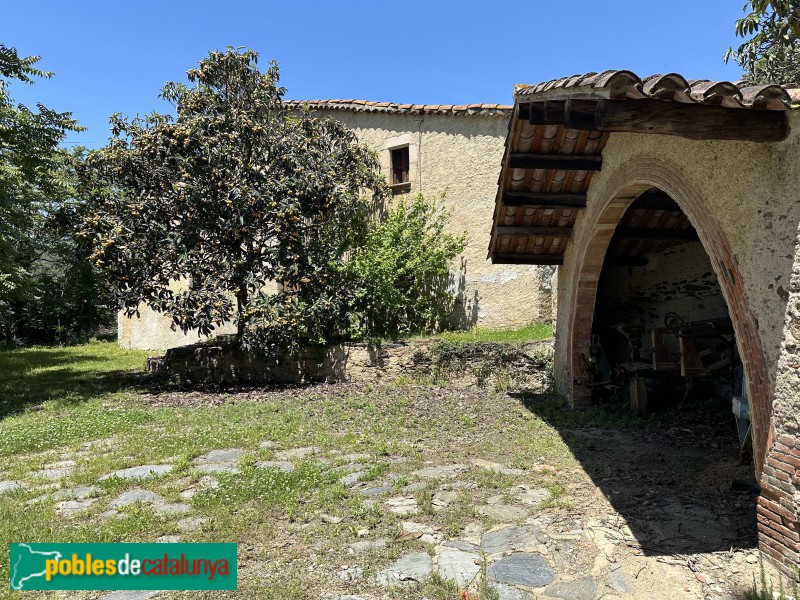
x,y
532,332
87,405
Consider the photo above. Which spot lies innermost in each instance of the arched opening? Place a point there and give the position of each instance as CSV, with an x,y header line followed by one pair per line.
x,y
623,189
662,335
627,283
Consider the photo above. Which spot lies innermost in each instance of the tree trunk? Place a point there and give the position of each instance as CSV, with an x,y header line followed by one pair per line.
x,y
241,304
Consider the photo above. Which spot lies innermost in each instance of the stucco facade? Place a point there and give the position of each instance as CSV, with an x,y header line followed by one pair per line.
x,y
454,154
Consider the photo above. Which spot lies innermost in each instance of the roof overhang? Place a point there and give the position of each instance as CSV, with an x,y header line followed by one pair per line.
x,y
367,106
559,128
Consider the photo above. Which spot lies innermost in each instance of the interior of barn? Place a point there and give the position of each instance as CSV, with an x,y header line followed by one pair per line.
x,y
661,332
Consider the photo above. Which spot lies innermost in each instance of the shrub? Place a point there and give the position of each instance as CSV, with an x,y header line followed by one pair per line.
x,y
402,275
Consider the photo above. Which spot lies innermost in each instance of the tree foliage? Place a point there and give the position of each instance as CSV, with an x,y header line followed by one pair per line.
x,y
401,275
771,52
199,215
34,180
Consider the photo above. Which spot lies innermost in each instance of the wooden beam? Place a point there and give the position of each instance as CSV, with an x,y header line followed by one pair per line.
x,y
643,233
532,232
692,121
527,259
555,161
695,122
572,114
544,200
580,114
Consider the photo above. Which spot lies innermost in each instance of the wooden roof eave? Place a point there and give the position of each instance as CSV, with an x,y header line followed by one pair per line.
x,y
666,105
513,132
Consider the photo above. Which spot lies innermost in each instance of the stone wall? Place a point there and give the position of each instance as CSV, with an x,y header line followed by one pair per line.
x,y
678,280
219,362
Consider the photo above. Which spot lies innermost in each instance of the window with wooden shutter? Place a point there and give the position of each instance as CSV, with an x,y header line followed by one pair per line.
x,y
400,165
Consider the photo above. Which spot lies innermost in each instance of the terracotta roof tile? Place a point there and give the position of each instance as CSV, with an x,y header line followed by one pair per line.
x,y
498,110
673,86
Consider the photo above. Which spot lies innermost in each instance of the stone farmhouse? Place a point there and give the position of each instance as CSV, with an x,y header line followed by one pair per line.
x,y
671,208
453,151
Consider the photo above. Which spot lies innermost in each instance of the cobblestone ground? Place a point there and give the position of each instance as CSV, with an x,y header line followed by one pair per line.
x,y
614,512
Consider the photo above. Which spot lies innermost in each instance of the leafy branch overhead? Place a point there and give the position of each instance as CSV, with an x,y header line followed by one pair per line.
x,y
772,52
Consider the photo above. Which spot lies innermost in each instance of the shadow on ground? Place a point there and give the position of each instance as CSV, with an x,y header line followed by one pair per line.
x,y
31,376
670,477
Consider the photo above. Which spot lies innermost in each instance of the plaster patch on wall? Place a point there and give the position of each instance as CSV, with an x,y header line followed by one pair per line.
x,y
507,276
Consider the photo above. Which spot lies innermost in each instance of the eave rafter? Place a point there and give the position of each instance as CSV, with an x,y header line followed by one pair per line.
x,y
691,121
556,137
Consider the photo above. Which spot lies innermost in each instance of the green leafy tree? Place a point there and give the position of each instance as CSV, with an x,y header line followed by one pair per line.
x,y
34,179
402,274
198,215
771,50
64,300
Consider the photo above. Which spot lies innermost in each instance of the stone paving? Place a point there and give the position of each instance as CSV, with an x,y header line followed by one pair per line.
x,y
527,553
220,461
140,472
8,486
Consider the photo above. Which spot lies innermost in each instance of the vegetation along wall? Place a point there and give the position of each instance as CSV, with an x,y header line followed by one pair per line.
x,y
452,151
458,153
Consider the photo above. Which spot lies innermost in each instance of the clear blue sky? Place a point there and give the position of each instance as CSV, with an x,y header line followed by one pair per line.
x,y
114,56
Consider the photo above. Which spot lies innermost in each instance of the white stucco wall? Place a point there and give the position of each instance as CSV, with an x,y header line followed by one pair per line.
x,y
154,331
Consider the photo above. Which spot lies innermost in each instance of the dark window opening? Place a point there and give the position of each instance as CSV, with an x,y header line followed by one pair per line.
x,y
400,165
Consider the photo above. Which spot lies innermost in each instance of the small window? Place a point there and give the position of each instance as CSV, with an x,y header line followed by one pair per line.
x,y
400,165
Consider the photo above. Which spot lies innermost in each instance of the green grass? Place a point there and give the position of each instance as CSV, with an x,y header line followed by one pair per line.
x,y
67,375
59,403
765,590
532,332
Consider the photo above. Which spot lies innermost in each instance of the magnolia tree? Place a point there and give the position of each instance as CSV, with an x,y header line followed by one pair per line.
x,y
201,215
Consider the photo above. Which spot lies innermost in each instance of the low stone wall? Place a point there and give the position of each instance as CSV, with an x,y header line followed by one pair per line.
x,y
481,363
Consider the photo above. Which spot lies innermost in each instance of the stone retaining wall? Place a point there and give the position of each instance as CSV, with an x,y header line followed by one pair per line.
x,y
225,364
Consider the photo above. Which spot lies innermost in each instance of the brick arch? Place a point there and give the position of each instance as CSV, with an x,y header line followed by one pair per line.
x,y
624,186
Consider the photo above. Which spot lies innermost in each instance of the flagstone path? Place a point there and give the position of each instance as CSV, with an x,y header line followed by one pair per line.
x,y
527,552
